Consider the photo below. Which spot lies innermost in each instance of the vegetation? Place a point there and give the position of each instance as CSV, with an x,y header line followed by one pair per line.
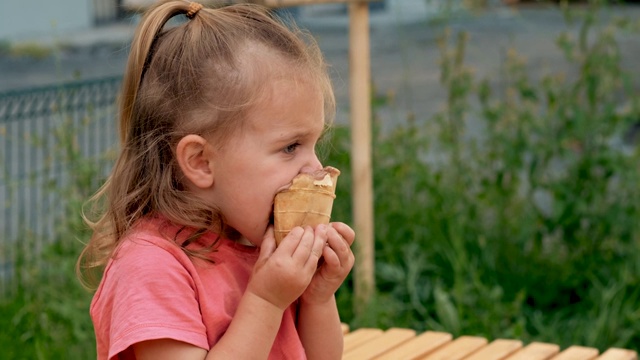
x,y
32,50
526,230
47,315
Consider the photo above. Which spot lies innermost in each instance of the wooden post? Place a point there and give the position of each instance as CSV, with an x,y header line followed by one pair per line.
x,y
360,93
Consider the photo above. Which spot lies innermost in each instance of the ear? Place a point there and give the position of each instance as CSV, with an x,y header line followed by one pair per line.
x,y
194,158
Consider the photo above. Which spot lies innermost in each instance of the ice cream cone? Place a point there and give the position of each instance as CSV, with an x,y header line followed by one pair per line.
x,y
308,201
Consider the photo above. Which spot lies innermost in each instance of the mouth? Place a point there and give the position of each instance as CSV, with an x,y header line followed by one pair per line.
x,y
271,218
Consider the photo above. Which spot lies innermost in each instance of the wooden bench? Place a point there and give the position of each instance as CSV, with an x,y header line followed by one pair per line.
x,y
404,344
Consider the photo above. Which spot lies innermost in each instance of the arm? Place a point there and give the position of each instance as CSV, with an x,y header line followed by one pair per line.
x,y
320,330
319,322
256,321
279,277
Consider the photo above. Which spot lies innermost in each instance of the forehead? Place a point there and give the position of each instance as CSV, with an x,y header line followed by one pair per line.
x,y
276,88
289,104
287,91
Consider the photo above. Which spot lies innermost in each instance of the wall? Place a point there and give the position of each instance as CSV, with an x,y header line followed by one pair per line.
x,y
31,18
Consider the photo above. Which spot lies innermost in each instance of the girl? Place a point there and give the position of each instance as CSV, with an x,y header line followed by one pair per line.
x,y
218,113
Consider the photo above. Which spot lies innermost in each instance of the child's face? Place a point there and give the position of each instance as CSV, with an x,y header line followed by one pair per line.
x,y
277,143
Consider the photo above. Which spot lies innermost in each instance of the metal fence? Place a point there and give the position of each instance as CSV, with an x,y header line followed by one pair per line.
x,y
43,133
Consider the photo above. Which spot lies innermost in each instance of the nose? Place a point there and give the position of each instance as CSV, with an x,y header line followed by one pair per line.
x,y
312,165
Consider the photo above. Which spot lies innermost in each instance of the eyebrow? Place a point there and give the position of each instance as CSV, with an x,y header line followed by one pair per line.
x,y
300,135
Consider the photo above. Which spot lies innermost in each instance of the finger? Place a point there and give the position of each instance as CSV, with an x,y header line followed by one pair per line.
x,y
290,243
305,245
331,259
339,246
268,245
336,241
320,239
345,231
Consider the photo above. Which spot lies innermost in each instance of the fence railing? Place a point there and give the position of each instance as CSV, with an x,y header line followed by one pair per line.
x,y
39,129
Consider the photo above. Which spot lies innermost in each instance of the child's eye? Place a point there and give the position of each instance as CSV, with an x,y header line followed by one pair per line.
x,y
290,149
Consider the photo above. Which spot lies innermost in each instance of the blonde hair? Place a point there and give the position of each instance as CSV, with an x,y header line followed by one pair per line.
x,y
200,76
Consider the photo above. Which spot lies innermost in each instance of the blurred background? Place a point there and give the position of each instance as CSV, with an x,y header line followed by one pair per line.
x,y
506,165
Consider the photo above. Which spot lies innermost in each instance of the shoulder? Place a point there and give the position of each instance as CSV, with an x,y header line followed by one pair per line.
x,y
147,257
148,291
145,250
148,243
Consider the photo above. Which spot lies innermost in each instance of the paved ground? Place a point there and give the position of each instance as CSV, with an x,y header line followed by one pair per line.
x,y
405,56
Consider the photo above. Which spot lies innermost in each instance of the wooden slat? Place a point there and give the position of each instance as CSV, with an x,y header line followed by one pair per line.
x,y
417,347
457,349
403,344
618,354
497,350
356,338
389,340
536,351
577,353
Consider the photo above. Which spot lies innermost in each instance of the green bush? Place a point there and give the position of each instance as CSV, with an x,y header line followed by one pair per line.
x,y
46,315
527,230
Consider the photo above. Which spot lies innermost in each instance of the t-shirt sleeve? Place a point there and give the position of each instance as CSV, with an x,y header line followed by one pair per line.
x,y
148,293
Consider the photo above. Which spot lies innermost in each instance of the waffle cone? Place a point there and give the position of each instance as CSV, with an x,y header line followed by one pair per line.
x,y
308,201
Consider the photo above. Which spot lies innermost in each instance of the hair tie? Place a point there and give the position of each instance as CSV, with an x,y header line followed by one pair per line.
x,y
194,7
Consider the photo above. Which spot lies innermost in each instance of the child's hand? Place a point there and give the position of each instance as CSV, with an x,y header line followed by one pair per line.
x,y
338,261
282,274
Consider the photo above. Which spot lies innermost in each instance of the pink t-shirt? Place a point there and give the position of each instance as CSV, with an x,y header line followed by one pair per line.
x,y
152,290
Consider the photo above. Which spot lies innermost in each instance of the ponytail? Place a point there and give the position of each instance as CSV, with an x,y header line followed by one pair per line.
x,y
141,51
